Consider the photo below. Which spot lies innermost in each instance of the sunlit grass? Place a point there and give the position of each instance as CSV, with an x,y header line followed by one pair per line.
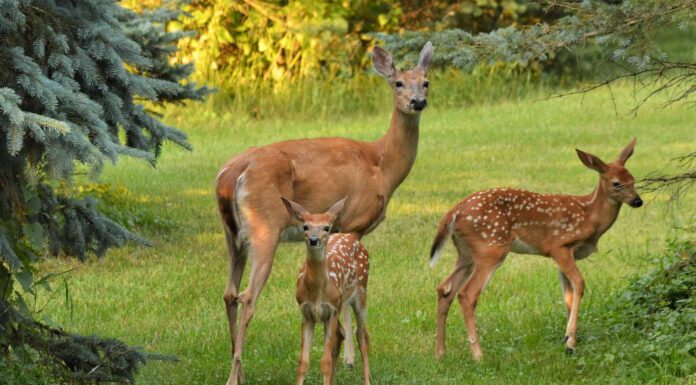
x,y
168,298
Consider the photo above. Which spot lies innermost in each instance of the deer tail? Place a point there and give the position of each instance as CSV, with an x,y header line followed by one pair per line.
x,y
444,231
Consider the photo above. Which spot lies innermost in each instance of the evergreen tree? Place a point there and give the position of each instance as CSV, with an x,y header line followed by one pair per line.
x,y
73,79
624,30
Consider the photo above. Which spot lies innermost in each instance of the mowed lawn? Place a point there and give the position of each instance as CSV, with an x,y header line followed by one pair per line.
x,y
168,298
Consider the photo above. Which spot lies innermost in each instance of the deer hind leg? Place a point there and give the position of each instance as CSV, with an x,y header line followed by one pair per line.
x,y
237,262
566,264
567,289
360,308
446,292
349,349
262,247
483,271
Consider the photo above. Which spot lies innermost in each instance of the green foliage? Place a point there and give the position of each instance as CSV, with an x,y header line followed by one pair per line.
x,y
625,31
279,41
661,308
75,77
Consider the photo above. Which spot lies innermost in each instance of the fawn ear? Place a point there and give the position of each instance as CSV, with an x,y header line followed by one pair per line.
x,y
337,207
591,161
627,152
426,57
383,62
296,211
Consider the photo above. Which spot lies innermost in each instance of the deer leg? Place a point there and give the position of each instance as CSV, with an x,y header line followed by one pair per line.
x,y
303,365
469,294
237,261
262,247
349,350
445,295
566,264
360,309
331,343
567,292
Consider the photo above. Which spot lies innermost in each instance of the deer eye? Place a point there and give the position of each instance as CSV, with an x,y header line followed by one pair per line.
x,y
327,228
399,83
305,227
616,184
425,84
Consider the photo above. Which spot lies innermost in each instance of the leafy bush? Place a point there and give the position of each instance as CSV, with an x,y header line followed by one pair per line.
x,y
661,308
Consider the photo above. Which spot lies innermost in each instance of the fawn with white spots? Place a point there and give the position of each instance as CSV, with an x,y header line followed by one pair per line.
x,y
488,224
332,280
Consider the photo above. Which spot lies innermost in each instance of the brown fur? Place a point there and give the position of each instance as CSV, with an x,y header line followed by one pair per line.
x,y
332,279
488,224
314,173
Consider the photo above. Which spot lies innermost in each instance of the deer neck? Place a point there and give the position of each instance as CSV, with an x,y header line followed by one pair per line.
x,y
397,149
602,210
316,272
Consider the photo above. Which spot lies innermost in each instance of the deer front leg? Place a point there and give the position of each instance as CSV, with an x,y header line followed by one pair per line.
x,y
263,245
332,346
445,295
349,350
566,264
303,365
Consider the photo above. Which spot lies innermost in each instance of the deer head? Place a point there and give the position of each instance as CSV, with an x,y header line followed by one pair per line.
x,y
615,179
410,87
316,227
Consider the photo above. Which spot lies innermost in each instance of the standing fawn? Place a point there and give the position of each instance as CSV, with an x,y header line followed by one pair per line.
x,y
488,224
332,279
248,185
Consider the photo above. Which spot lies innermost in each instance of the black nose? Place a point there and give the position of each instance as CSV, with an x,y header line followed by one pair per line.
x,y
313,241
636,202
418,104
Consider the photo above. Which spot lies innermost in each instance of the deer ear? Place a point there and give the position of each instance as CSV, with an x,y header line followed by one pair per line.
x,y
296,211
627,152
426,57
383,63
337,207
591,161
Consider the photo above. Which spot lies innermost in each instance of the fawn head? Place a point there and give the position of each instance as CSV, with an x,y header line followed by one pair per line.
x,y
614,177
316,227
410,87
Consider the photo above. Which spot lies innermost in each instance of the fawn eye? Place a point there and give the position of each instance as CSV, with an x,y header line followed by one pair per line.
x,y
305,227
425,84
616,184
399,84
327,228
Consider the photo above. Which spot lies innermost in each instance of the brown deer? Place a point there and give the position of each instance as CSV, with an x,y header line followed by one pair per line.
x,y
488,224
332,280
314,173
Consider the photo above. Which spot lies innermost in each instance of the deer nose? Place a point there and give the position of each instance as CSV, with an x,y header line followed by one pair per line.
x,y
314,241
418,104
637,202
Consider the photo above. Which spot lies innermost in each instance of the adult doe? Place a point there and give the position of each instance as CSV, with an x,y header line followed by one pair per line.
x,y
488,224
332,280
315,173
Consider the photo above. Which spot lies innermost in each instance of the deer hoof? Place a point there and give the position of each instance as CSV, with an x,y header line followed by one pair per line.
x,y
570,351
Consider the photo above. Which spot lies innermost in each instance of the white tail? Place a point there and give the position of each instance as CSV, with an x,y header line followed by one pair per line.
x,y
489,224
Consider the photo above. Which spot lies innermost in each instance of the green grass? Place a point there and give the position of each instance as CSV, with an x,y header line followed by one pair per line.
x,y
168,298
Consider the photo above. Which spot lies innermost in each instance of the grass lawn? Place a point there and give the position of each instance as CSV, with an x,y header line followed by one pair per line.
x,y
168,298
